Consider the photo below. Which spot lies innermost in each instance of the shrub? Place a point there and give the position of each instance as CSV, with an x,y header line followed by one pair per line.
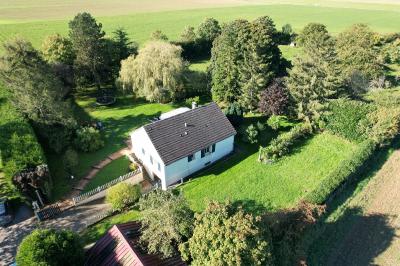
x,y
71,160
346,169
274,100
251,134
88,139
50,247
189,101
345,117
133,167
280,146
260,126
279,121
122,195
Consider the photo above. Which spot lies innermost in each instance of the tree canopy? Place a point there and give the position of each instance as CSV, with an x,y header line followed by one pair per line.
x,y
156,73
58,49
166,221
50,247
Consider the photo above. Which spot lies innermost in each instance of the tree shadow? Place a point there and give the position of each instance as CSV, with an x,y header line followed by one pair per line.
x,y
252,206
354,239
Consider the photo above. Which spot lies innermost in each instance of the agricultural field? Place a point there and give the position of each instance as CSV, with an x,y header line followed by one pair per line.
x,y
140,25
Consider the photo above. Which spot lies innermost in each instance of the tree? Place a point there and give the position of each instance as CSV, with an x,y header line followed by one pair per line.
x,y
315,76
34,88
166,221
50,247
58,49
158,36
122,195
188,35
208,30
225,235
88,139
156,73
88,43
357,52
274,100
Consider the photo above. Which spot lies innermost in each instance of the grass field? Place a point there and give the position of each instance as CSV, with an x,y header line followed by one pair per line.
x,y
140,25
242,178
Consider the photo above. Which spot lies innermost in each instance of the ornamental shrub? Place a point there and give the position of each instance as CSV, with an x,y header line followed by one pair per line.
x,y
279,121
88,139
251,134
122,195
50,247
280,146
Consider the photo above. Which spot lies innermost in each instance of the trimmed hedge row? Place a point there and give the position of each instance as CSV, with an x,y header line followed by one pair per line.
x,y
19,147
345,171
280,146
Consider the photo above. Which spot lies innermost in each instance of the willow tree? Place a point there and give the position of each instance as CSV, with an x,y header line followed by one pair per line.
x,y
156,73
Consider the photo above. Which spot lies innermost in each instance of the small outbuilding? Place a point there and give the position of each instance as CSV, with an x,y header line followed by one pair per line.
x,y
183,142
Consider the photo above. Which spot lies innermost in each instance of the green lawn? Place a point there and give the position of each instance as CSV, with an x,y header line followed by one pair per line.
x,y
242,178
140,25
115,169
93,233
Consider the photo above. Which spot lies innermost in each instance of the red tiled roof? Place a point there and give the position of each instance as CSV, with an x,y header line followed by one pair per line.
x,y
119,246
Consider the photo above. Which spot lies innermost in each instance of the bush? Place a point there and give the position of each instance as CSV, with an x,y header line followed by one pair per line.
x,y
50,247
274,100
251,134
346,169
280,146
279,121
260,126
71,160
88,139
345,117
189,101
234,112
122,195
133,167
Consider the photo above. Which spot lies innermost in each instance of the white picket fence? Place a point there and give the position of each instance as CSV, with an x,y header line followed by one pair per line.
x,y
101,188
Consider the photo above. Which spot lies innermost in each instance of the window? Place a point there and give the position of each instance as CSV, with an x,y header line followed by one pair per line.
x,y
143,151
205,151
159,167
151,159
191,157
213,148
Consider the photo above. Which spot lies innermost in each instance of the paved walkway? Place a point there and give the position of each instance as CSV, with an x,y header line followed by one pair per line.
x,y
74,219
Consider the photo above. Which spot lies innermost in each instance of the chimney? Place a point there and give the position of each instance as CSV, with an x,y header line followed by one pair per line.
x,y
185,124
194,105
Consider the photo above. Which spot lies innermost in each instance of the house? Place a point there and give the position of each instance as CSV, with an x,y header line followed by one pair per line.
x,y
120,246
183,142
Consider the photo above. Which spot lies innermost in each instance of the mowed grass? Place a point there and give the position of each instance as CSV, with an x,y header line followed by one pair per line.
x,y
139,26
270,186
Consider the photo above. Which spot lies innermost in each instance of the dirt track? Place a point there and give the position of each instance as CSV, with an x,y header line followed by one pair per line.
x,y
373,236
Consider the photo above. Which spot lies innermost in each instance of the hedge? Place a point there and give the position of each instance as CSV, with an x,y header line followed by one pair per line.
x,y
19,147
346,170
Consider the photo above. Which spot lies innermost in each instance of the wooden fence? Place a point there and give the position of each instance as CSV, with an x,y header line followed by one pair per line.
x,y
101,188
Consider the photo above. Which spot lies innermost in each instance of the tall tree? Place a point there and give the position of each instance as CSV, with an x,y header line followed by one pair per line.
x,y
156,73
274,100
208,30
58,49
188,35
35,90
225,235
87,40
166,221
315,75
358,53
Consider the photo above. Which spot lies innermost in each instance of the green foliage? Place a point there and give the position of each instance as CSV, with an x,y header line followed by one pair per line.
x,y
167,221
260,126
234,112
357,52
208,30
133,167
88,139
188,34
347,169
314,77
279,121
88,44
123,195
280,146
245,58
225,235
58,49
34,88
251,134
391,52
158,36
71,160
156,73
50,247
190,101
344,118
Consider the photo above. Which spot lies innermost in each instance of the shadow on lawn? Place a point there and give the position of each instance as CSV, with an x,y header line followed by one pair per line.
x,y
356,239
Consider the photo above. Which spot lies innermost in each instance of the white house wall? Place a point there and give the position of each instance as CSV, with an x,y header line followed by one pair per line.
x,y
182,168
140,140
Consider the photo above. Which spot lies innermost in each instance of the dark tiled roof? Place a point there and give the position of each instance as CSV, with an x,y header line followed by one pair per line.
x,y
205,126
119,246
